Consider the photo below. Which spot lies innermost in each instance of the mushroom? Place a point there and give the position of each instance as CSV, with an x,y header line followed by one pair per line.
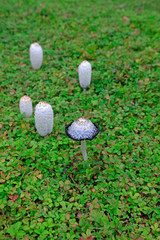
x,y
25,106
44,118
81,130
36,55
84,71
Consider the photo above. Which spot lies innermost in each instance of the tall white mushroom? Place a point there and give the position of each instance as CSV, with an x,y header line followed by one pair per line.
x,y
81,130
36,55
25,106
84,71
44,118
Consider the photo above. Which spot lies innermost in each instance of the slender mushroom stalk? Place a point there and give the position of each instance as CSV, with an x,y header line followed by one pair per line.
x,y
84,90
83,150
80,130
36,55
25,106
44,118
84,71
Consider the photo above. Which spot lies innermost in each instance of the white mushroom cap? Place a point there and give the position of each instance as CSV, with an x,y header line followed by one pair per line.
x,y
25,105
44,118
82,129
84,71
36,55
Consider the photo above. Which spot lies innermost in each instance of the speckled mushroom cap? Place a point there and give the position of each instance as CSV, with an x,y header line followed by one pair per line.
x,y
84,71
82,129
25,105
36,55
44,118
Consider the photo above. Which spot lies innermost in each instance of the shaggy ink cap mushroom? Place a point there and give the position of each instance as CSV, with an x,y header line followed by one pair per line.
x,y
44,118
82,129
25,106
36,55
84,71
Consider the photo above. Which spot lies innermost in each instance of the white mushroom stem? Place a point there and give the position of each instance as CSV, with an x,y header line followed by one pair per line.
x,y
83,150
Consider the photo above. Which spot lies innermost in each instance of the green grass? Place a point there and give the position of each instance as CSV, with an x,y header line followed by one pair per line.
x,y
47,191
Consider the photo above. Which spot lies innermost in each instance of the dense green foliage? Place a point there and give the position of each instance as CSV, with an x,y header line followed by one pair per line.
x,y
46,189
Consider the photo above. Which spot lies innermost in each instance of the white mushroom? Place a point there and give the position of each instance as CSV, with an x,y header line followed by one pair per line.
x,y
81,130
25,105
36,55
44,118
84,71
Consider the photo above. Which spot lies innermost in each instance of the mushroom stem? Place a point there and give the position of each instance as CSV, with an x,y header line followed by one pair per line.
x,y
85,90
83,150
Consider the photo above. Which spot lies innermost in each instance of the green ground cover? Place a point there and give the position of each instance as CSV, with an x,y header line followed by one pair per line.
x,y
46,189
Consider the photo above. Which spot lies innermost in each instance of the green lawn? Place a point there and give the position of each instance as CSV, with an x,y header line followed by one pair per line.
x,y
47,191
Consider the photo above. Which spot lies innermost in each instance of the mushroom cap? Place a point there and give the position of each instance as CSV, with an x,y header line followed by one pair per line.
x,y
84,71
25,98
25,105
82,129
36,55
44,118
